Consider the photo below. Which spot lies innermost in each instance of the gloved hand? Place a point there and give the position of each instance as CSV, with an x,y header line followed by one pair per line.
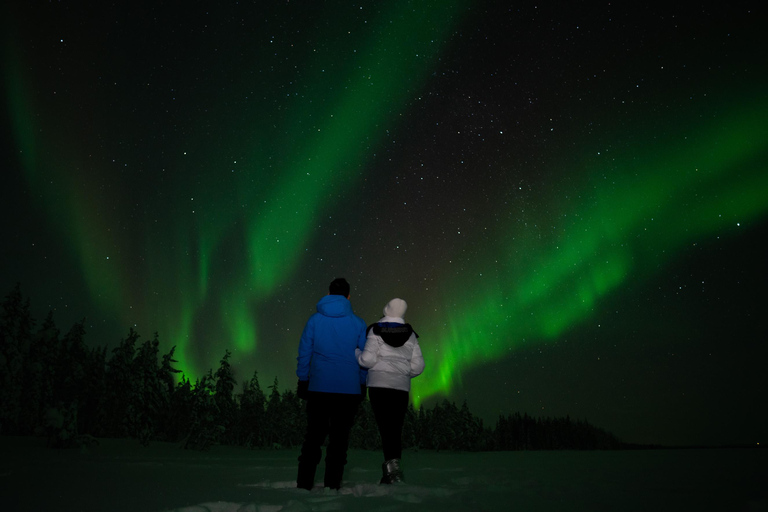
x,y
302,389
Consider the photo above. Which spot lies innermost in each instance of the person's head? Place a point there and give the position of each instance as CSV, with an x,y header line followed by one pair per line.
x,y
395,308
339,286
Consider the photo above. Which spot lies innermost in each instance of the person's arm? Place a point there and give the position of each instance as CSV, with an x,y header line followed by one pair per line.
x,y
368,357
417,360
306,347
358,350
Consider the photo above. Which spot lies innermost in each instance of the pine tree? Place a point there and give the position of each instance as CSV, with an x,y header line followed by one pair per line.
x,y
38,377
180,412
120,388
165,427
225,403
204,430
365,432
147,396
469,429
16,326
72,356
167,371
421,428
291,420
62,419
93,393
272,418
444,424
409,427
251,424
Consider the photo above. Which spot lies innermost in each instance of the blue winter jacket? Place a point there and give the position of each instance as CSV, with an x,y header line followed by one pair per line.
x,y
327,348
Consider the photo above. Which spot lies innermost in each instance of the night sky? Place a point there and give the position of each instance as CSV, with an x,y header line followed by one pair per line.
x,y
572,199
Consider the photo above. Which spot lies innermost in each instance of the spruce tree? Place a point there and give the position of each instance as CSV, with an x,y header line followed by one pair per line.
x,y
38,380
272,418
147,396
167,371
93,397
16,326
365,431
70,373
204,430
409,427
120,388
225,402
165,427
180,412
291,420
251,423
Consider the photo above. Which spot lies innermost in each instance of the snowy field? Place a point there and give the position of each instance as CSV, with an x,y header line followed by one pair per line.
x,y
121,475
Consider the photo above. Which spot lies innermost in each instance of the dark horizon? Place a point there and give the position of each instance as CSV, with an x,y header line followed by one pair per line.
x,y
487,430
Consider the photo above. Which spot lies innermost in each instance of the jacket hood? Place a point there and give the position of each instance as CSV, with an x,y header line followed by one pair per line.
x,y
393,334
334,306
395,308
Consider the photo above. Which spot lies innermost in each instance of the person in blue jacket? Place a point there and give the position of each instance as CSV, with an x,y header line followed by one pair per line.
x,y
332,382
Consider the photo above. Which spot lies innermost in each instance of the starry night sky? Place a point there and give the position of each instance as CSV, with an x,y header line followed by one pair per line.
x,y
572,199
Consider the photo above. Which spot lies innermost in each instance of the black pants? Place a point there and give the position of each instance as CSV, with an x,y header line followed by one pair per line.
x,y
328,415
389,406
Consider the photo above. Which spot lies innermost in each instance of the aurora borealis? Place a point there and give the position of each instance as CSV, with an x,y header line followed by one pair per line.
x,y
572,200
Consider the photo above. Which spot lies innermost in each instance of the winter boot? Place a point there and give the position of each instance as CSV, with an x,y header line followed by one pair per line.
x,y
333,475
306,476
392,472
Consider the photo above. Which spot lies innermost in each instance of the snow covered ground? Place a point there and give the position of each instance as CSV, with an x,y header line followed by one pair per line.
x,y
121,475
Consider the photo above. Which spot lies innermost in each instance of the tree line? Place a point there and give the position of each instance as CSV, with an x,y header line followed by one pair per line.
x,y
56,386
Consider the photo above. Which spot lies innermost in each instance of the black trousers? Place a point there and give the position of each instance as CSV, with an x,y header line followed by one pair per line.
x,y
328,415
389,407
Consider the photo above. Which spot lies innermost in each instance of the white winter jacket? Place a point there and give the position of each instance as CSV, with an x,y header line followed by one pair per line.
x,y
392,354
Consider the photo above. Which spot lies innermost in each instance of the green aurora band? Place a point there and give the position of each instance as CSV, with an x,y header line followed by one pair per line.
x,y
640,212
655,201
323,165
327,141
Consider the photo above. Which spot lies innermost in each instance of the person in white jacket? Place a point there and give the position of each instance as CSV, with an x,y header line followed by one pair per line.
x,y
393,357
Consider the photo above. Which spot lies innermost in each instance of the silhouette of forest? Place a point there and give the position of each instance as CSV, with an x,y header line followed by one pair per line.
x,y
58,387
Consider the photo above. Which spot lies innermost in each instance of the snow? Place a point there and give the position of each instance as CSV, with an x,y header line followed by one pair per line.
x,y
121,475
